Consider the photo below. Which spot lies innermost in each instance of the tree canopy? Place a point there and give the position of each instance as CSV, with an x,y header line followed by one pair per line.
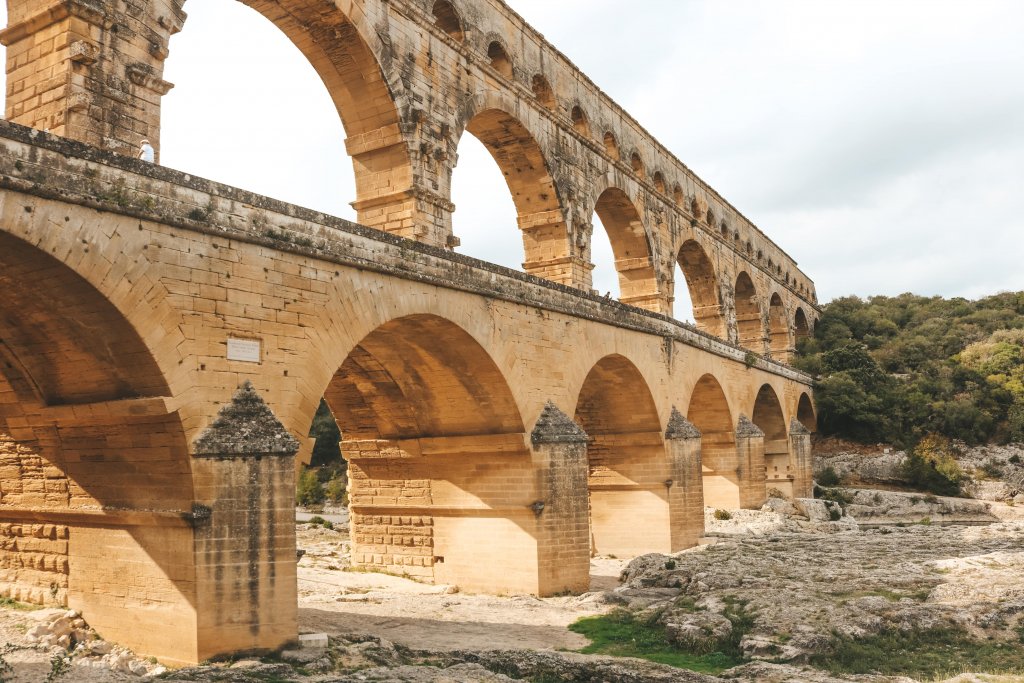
x,y
894,369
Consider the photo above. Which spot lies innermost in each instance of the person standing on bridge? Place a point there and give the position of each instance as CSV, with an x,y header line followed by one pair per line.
x,y
146,152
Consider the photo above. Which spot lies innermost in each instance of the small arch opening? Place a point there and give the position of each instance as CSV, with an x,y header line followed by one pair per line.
x,y
638,165
659,182
611,146
500,61
543,92
447,19
580,121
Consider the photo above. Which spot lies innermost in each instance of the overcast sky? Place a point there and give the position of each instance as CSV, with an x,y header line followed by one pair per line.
x,y
880,143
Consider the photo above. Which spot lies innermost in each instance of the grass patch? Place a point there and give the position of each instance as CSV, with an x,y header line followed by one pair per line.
x,y
11,603
921,654
619,634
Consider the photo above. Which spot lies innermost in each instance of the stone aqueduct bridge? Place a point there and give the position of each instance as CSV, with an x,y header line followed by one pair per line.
x,y
165,340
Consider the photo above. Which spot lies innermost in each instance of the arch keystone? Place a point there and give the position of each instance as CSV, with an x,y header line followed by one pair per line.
x,y
680,428
246,426
554,426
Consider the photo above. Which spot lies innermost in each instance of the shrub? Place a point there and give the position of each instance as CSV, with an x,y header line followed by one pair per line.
x,y
723,514
992,470
336,491
828,477
309,491
930,466
1014,460
835,513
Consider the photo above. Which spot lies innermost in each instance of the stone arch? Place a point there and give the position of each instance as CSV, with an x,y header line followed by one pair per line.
x,y
611,145
343,51
678,197
659,182
638,284
709,412
543,92
767,414
540,216
637,164
580,121
500,60
779,343
801,327
702,283
84,431
805,413
447,18
429,424
626,459
748,314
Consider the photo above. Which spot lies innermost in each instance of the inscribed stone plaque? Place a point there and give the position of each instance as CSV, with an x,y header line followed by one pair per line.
x,y
245,350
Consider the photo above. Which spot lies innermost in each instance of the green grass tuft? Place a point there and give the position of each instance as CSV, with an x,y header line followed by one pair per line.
x,y
921,654
620,634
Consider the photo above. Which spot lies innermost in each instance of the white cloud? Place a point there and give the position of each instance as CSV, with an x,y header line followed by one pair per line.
x,y
879,142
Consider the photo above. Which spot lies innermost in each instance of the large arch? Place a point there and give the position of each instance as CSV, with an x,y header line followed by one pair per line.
x,y
748,314
85,438
430,428
634,262
702,283
546,245
768,415
801,326
343,52
709,412
805,413
629,505
779,343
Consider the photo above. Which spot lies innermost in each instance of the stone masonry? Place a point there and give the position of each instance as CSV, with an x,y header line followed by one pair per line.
x,y
165,340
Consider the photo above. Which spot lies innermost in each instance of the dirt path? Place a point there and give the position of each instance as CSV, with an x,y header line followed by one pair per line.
x,y
417,615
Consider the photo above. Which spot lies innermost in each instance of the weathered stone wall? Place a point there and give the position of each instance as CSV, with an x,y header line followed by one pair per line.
x,y
442,363
34,562
408,84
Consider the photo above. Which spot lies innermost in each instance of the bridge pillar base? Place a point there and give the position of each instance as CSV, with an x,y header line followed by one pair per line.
x,y
802,457
685,489
244,531
753,491
562,509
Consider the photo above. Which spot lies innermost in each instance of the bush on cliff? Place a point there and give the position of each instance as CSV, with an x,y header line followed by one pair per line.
x,y
895,369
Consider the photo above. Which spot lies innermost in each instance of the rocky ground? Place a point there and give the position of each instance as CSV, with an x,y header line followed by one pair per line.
x,y
994,473
799,579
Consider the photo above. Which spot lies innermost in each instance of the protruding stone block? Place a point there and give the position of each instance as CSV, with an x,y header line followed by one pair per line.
x,y
751,471
244,473
562,512
685,487
802,458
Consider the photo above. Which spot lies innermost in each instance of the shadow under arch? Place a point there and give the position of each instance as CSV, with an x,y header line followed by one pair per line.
x,y
627,461
709,412
779,343
547,247
806,414
702,283
631,246
801,327
90,464
748,314
354,66
768,415
433,437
